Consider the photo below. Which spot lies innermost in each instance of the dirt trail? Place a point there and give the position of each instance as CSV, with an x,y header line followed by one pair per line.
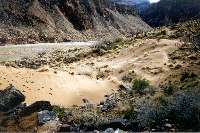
x,y
148,58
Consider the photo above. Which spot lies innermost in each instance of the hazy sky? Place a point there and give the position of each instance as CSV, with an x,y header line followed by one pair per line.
x,y
152,1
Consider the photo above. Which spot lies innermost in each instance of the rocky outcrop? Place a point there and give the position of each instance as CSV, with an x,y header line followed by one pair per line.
x,y
36,10
167,12
10,98
17,117
57,20
36,107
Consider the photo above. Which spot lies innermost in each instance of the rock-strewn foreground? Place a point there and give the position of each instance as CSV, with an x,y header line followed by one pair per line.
x,y
34,21
147,83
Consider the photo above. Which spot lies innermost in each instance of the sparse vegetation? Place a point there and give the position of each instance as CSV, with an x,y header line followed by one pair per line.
x,y
129,76
135,103
107,46
169,89
139,85
60,111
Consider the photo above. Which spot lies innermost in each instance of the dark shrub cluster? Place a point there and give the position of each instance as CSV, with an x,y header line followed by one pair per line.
x,y
140,85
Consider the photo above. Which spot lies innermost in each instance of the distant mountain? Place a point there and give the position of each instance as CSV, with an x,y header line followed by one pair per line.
x,y
168,12
140,5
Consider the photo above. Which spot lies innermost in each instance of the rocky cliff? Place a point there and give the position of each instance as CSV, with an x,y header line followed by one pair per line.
x,y
27,21
167,12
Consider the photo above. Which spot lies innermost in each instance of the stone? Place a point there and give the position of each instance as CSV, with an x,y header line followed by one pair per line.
x,y
65,128
109,130
10,98
109,103
125,87
45,116
168,125
121,124
37,107
51,126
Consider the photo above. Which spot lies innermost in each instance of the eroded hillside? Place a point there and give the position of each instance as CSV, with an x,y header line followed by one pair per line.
x,y
63,20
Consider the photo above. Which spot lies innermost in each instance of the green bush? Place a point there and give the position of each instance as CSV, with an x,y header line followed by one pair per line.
x,y
169,89
186,76
60,112
139,85
130,114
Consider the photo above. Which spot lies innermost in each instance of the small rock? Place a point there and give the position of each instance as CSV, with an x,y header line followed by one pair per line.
x,y
109,130
168,125
45,116
85,100
172,130
109,103
64,128
125,87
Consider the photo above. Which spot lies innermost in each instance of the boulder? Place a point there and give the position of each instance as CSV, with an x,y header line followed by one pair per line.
x,y
45,116
10,98
109,130
65,128
36,107
117,124
109,103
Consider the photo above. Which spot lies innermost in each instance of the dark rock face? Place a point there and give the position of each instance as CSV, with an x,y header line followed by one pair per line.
x,y
10,98
36,107
73,10
168,12
39,20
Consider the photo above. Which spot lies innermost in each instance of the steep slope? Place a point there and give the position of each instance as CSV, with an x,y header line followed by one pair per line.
x,y
57,20
168,12
140,5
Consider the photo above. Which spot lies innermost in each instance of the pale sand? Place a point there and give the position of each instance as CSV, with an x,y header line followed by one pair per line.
x,y
60,89
148,58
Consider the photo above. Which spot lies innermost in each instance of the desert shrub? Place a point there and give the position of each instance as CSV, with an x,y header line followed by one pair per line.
x,y
191,34
129,76
130,114
60,112
118,40
187,75
139,85
195,41
185,110
89,118
181,109
152,113
169,89
108,45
